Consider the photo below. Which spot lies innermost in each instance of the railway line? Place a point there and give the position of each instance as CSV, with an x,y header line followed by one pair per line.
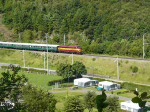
x,y
62,50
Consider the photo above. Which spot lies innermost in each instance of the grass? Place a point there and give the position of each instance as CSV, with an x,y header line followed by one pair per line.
x,y
99,66
38,80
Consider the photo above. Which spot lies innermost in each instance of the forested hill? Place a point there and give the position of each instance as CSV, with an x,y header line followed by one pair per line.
x,y
99,26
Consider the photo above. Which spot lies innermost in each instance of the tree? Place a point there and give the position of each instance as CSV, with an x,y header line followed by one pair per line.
x,y
140,99
73,104
78,69
89,100
112,105
67,70
11,84
64,70
100,101
36,100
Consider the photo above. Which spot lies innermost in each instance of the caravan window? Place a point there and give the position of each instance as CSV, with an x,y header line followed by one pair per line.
x,y
100,85
87,84
123,106
129,109
135,110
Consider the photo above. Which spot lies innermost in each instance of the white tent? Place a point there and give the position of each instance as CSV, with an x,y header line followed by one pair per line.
x,y
82,82
108,85
130,106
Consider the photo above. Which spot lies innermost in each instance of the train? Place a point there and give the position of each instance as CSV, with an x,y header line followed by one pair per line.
x,y
41,47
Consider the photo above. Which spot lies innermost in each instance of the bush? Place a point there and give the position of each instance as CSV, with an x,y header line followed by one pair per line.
x,y
50,83
67,85
122,92
131,87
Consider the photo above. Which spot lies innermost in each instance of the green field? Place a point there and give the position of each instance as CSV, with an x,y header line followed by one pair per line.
x,y
99,66
39,80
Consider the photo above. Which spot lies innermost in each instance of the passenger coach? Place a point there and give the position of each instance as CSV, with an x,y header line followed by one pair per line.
x,y
41,47
29,46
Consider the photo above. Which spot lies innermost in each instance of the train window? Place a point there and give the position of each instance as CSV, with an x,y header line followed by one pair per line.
x,y
78,47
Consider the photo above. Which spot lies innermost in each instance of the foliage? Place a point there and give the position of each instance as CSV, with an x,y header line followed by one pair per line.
x,y
67,70
131,86
11,84
73,104
66,84
112,105
64,70
37,100
89,100
50,83
100,101
106,27
135,69
140,99
78,69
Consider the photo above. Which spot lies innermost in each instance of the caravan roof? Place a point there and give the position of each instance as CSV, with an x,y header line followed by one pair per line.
x,y
106,83
130,104
82,79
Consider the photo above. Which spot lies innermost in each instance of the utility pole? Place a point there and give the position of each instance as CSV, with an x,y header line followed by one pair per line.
x,y
24,64
118,68
117,60
143,47
19,37
44,60
72,59
47,53
64,39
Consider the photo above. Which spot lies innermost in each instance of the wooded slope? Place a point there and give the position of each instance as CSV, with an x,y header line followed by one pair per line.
x,y
99,26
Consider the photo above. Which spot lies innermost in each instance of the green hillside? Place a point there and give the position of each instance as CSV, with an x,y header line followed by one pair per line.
x,y
105,67
99,26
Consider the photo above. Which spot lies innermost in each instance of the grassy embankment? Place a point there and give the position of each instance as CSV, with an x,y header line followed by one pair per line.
x,y
100,66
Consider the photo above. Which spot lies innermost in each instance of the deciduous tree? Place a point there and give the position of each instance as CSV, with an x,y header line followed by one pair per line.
x,y
78,69
10,85
36,100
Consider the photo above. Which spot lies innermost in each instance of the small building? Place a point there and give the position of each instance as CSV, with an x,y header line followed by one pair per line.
x,y
108,86
130,106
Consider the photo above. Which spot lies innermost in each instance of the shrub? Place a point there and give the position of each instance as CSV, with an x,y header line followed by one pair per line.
x,y
131,87
50,83
67,85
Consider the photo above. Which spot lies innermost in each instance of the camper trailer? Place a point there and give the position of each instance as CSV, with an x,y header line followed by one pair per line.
x,y
82,82
132,107
85,82
108,86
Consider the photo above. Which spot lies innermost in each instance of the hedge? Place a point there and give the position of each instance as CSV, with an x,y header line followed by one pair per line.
x,y
131,87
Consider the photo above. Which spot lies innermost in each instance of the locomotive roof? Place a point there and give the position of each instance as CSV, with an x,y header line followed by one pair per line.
x,y
70,46
31,44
